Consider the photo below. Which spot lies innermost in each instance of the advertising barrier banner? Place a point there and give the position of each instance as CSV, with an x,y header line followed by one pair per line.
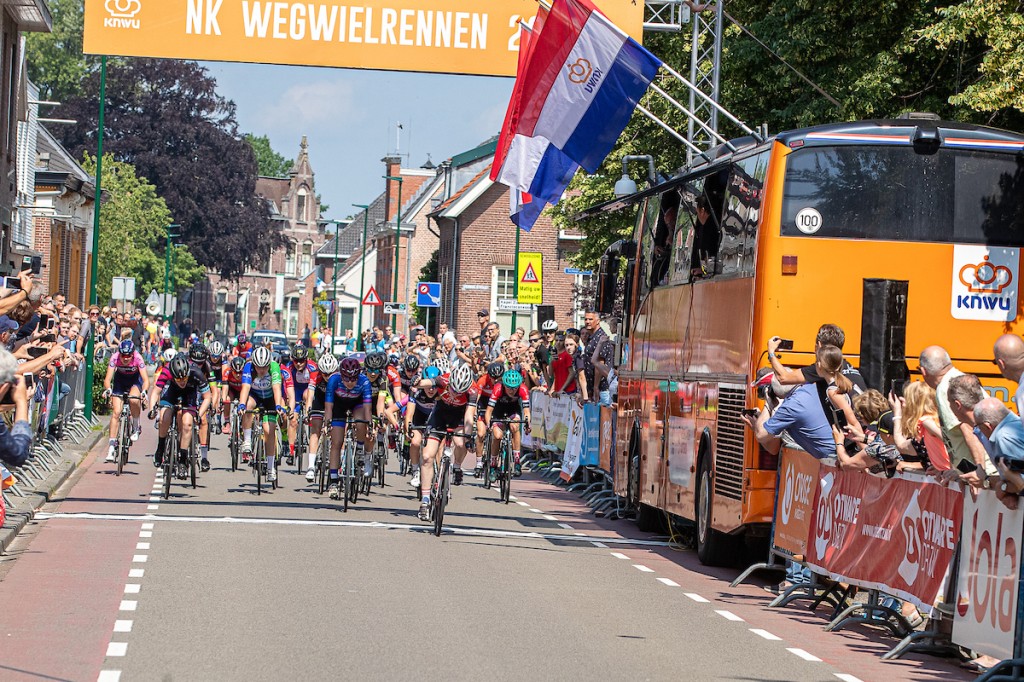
x,y
798,481
574,440
591,434
607,439
538,406
897,535
442,36
556,421
987,579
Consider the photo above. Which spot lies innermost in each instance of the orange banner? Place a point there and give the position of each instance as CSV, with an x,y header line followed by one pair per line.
x,y
798,479
445,36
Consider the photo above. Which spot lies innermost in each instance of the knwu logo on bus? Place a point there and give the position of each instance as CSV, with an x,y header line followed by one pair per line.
x,y
985,283
122,14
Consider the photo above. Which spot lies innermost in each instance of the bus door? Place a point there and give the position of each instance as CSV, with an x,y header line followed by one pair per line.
x,y
681,429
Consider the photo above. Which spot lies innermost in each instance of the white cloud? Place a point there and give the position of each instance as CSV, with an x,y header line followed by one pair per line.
x,y
306,106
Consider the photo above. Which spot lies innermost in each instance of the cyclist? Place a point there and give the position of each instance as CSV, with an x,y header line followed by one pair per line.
x,y
199,356
509,400
261,387
300,368
316,399
383,378
179,381
350,390
125,376
455,409
288,388
485,385
216,349
421,404
242,346
231,375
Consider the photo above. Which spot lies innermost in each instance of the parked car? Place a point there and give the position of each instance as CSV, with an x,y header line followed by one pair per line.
x,y
278,340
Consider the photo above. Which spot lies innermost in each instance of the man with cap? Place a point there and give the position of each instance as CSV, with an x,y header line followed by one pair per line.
x,y
7,329
484,318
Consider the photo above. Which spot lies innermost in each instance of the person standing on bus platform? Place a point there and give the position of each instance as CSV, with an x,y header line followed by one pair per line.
x,y
1008,355
706,239
664,233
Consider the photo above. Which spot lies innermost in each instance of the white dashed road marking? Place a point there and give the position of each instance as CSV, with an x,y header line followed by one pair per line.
x,y
619,555
109,676
803,654
642,568
669,582
128,605
696,597
767,635
117,648
122,626
729,615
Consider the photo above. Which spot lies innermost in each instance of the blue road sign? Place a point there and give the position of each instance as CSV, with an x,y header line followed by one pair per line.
x,y
577,271
428,295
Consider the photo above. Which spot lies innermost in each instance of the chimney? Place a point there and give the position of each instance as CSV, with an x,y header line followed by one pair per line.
x,y
393,167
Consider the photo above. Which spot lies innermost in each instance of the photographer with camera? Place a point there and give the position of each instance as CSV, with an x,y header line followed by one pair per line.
x,y
15,444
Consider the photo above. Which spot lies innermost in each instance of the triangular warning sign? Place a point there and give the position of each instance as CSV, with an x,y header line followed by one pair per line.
x,y
372,298
530,277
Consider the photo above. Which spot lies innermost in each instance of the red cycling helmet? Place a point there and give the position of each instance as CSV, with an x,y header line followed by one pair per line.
x,y
349,368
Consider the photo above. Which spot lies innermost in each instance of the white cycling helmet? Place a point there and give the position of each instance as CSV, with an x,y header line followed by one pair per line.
x,y
327,364
216,348
461,379
549,326
169,354
261,357
442,363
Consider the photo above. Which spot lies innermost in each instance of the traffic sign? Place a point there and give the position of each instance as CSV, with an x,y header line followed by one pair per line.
x,y
531,278
394,308
577,271
428,295
372,298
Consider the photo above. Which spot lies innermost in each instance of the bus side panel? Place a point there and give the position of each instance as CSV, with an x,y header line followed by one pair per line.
x,y
629,411
651,456
681,436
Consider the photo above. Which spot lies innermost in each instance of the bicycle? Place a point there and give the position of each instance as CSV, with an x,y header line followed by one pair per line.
x,y
504,470
488,472
301,440
441,490
352,478
259,452
235,435
323,457
380,456
170,454
124,437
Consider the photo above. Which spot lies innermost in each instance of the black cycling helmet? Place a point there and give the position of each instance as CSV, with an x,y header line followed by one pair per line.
x,y
179,367
300,352
197,352
238,363
376,361
411,363
495,370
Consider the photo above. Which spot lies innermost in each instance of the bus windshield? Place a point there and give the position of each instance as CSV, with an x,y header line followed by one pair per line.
x,y
892,193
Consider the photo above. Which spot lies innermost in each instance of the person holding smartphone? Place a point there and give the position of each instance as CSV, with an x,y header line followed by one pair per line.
x,y
16,442
1005,433
828,335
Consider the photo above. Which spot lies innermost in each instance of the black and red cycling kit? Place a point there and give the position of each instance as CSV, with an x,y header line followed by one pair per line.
x,y
450,407
507,403
485,385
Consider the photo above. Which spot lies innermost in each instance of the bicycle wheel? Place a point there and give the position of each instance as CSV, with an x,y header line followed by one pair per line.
x,y
381,462
233,443
506,467
441,497
169,455
257,463
122,446
347,481
193,463
322,464
486,454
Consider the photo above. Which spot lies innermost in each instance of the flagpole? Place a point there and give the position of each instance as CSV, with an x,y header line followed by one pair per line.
x,y
515,289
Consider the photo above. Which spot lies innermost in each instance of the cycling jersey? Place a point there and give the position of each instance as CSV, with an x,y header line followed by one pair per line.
x,y
484,386
338,392
243,351
206,368
422,401
502,397
232,378
380,384
262,387
302,375
407,382
132,369
394,377
189,394
446,396
286,378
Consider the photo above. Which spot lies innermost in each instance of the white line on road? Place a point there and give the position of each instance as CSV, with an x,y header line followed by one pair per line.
x,y
565,526
142,545
117,648
132,588
154,498
456,530
549,517
597,544
152,507
512,497
767,635
642,568
140,558
697,598
619,555
145,533
847,678
522,504
803,654
147,526
536,511
109,676
122,626
128,605
136,572
729,615
669,582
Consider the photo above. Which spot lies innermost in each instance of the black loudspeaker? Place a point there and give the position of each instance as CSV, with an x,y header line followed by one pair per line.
x,y
883,334
544,313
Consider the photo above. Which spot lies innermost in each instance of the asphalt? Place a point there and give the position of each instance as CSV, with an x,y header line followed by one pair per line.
x,y
227,585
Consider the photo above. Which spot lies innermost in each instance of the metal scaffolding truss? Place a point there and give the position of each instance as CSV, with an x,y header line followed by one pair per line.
x,y
666,15
705,71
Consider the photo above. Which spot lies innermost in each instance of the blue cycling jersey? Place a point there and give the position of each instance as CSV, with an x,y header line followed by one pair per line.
x,y
261,387
337,390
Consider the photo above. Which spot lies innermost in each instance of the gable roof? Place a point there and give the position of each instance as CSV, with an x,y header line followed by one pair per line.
x,y
273,190
465,196
351,235
60,160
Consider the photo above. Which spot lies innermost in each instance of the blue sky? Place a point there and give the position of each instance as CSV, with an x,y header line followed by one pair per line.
x,y
349,117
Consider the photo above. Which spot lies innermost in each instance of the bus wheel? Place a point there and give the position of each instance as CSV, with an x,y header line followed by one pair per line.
x,y
714,548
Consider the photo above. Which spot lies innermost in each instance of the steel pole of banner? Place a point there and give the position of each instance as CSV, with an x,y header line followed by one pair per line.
x,y
362,271
93,273
515,290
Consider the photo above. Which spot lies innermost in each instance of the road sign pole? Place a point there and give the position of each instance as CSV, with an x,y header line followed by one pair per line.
x,y
428,321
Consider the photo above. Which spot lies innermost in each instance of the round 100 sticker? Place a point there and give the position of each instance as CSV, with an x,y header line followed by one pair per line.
x,y
808,220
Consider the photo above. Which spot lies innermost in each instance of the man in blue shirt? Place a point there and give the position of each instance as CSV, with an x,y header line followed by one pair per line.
x,y
802,417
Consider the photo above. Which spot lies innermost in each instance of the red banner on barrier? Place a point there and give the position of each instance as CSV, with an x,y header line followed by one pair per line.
x,y
986,596
798,479
897,535
604,460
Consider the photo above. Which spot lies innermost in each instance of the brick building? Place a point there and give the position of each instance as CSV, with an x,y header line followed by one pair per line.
x,y
477,253
280,295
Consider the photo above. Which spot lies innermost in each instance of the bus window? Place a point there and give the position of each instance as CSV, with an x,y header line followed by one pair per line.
x,y
742,209
707,228
647,222
664,235
682,246
866,192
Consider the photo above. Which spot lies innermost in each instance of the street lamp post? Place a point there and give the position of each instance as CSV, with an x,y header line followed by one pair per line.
x,y
93,294
398,245
362,269
335,327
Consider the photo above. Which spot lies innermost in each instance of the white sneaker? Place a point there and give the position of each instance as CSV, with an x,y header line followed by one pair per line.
x,y
136,432
310,475
111,454
246,447
272,476
414,482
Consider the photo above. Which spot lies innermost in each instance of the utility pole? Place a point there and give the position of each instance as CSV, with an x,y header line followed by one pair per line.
x,y
362,270
398,245
93,271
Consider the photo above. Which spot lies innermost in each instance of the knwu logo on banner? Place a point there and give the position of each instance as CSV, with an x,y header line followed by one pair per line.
x,y
985,283
122,14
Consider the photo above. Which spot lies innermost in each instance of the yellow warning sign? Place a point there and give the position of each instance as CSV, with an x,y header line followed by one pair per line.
x,y
531,278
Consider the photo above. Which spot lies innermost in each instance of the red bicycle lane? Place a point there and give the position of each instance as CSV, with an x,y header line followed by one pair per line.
x,y
63,580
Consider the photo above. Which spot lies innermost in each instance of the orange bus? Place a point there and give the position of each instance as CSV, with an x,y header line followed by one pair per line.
x,y
802,220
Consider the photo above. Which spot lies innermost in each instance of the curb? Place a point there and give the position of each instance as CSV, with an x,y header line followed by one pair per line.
x,y
30,504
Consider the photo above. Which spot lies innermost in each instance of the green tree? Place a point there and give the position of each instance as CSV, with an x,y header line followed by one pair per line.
x,y
270,163
55,60
132,233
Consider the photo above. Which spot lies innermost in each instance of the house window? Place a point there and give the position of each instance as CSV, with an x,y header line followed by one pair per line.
x,y
265,267
503,286
291,316
307,258
221,317
289,260
300,206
